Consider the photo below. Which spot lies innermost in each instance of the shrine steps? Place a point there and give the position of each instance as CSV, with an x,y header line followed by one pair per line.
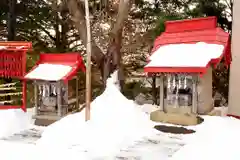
x,y
45,120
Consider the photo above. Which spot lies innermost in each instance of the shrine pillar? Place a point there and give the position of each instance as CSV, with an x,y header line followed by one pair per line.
x,y
234,83
205,102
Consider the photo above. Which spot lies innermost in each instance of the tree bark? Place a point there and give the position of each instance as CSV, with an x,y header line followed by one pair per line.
x,y
114,55
65,29
112,60
76,10
11,28
11,20
56,28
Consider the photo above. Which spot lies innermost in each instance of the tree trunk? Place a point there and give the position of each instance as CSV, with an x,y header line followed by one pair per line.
x,y
113,57
78,17
56,28
112,60
65,29
11,28
11,20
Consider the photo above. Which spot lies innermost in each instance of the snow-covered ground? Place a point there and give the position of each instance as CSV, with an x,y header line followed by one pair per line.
x,y
13,121
118,129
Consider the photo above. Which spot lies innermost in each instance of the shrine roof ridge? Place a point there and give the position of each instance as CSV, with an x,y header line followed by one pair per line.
x,y
191,24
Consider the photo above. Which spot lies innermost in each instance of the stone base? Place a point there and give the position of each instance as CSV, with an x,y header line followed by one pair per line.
x,y
178,110
175,118
43,122
215,113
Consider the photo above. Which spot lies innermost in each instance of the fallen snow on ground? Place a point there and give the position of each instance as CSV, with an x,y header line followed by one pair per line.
x,y
17,126
28,136
217,138
118,129
116,122
223,110
13,121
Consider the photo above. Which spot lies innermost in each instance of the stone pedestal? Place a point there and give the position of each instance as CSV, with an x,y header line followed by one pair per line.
x,y
205,102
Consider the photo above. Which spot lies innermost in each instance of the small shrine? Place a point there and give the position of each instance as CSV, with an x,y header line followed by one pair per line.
x,y
51,76
182,58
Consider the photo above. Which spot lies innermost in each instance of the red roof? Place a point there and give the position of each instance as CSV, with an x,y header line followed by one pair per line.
x,y
15,45
54,67
191,32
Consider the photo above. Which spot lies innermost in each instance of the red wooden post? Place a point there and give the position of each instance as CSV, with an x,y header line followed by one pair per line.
x,y
24,84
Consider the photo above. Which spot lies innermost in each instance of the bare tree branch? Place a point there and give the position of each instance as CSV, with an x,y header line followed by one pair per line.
x,y
113,57
123,10
112,60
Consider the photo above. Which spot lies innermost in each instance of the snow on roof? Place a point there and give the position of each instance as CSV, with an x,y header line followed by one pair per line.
x,y
49,72
185,55
17,47
2,47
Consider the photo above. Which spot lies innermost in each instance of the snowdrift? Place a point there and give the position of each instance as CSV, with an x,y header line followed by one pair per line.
x,y
216,138
13,121
119,124
116,122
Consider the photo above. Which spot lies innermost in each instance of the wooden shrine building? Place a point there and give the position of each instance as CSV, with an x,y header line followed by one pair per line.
x,y
50,77
183,57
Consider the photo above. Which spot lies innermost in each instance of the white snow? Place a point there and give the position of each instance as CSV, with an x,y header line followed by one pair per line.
x,y
2,47
105,26
118,128
13,121
185,55
49,72
116,122
217,138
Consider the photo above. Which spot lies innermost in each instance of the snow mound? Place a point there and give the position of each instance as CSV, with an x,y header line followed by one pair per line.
x,y
13,121
216,138
116,122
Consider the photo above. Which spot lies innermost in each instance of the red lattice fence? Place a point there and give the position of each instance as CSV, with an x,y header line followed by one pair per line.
x,y
13,65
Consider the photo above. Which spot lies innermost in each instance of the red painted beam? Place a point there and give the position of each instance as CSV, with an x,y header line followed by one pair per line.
x,y
234,116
